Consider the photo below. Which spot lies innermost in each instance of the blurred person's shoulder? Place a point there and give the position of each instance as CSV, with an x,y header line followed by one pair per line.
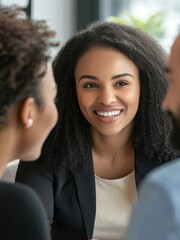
x,y
18,191
22,213
165,176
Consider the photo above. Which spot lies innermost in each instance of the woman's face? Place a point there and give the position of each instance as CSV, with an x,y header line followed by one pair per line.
x,y
108,89
44,119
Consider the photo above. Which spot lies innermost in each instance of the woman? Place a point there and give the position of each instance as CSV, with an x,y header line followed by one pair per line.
x,y
113,131
27,115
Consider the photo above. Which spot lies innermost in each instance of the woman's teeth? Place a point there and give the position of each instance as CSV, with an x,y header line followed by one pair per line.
x,y
108,114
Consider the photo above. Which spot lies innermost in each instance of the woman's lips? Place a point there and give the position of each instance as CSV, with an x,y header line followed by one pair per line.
x,y
108,116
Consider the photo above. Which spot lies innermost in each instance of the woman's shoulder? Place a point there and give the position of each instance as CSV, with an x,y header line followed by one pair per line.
x,y
22,212
17,193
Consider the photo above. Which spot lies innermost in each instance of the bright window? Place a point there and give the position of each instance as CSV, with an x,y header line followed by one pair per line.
x,y
143,9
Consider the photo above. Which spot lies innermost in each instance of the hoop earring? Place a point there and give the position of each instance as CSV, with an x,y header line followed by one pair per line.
x,y
29,122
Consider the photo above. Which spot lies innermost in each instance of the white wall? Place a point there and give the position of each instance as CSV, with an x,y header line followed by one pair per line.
x,y
60,15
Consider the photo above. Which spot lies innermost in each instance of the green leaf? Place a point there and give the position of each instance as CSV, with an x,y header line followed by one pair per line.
x,y
153,25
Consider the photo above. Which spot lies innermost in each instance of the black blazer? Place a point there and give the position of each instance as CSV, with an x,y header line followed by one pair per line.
x,y
70,200
22,214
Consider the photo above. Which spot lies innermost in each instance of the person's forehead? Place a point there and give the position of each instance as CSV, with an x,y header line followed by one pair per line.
x,y
174,55
176,48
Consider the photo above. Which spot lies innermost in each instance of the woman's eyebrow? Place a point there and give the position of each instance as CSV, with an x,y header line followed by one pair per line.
x,y
114,77
122,75
89,77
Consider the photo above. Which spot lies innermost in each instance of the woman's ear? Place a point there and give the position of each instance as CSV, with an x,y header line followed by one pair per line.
x,y
27,112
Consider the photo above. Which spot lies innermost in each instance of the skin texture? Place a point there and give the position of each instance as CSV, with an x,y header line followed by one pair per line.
x,y
108,89
171,103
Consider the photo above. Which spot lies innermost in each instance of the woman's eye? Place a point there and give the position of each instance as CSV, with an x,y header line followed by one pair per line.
x,y
90,85
121,84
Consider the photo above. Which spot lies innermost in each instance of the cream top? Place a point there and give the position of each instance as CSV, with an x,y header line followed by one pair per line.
x,y
114,201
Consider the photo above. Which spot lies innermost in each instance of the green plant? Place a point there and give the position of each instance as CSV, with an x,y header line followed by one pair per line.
x,y
153,24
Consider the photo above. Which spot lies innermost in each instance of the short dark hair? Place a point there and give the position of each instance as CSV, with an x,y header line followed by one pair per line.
x,y
24,45
72,148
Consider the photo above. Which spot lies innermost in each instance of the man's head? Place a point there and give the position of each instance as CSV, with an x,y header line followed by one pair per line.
x,y
171,103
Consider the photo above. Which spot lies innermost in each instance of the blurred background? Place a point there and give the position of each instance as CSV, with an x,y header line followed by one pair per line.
x,y
160,18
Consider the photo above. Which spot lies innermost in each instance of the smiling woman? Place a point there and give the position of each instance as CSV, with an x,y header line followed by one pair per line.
x,y
111,131
108,88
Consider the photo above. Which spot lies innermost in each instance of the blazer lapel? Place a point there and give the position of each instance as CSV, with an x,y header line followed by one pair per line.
x,y
86,193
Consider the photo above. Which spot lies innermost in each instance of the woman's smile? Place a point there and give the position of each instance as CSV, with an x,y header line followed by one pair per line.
x,y
108,116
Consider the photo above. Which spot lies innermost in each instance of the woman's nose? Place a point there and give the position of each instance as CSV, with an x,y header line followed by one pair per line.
x,y
107,97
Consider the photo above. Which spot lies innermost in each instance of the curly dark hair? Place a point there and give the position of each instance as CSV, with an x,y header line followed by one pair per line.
x,y
24,46
69,145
